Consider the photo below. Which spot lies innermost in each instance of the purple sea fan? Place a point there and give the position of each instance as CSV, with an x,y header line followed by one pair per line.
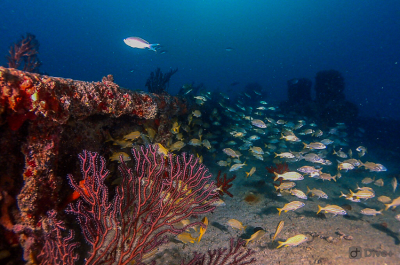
x,y
57,249
236,255
153,196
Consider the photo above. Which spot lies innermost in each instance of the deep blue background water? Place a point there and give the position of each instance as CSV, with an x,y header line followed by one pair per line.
x,y
272,41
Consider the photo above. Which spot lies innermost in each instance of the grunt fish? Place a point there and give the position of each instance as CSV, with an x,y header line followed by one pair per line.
x,y
278,229
293,241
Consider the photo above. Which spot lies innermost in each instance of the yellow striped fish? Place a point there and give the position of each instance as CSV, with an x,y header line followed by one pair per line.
x,y
257,235
332,209
278,229
291,206
293,241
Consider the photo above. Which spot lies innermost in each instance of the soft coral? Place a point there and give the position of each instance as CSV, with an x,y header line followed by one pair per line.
x,y
223,184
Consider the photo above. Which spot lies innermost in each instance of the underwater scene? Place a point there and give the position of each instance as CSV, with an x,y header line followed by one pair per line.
x,y
199,132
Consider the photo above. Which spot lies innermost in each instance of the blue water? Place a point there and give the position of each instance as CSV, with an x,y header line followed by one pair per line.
x,y
272,41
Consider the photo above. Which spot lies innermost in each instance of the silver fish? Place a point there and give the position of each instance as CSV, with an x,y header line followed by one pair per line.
x,y
136,42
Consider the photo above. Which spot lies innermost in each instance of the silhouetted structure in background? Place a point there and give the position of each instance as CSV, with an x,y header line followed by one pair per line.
x,y
330,105
329,86
299,90
299,94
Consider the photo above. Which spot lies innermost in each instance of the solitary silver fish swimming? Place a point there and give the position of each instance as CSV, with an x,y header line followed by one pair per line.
x,y
136,42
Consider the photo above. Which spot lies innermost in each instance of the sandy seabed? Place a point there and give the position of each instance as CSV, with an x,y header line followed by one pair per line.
x,y
374,236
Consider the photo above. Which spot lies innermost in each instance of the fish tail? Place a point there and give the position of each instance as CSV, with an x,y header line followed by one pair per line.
x,y
153,47
308,190
247,241
280,244
247,174
280,210
275,156
319,209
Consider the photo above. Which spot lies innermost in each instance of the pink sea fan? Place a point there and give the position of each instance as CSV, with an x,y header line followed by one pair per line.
x,y
153,197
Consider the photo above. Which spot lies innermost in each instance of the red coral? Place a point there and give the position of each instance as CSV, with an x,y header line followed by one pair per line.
x,y
279,168
223,184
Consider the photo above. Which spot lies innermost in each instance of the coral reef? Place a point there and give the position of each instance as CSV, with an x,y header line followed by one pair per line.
x,y
158,82
25,51
45,120
152,198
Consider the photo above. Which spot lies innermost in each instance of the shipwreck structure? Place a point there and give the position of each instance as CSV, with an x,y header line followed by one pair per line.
x,y
46,121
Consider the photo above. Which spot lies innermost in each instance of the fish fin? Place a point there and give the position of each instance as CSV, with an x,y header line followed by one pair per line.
x,y
154,47
280,210
319,209
280,244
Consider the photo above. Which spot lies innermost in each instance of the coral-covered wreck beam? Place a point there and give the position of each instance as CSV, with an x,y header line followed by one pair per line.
x,y
29,96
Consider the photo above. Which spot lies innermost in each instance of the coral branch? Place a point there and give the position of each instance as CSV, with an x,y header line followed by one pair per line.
x,y
57,249
25,51
224,184
158,82
154,196
237,255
